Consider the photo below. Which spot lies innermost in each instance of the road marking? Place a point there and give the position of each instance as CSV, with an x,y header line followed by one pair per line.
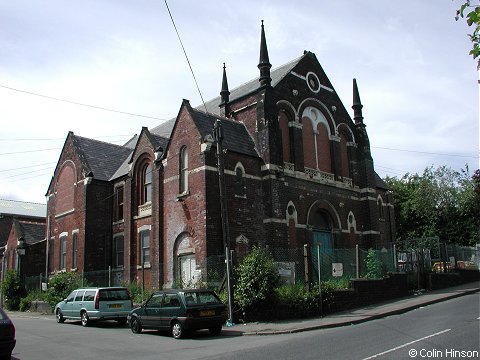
x,y
409,343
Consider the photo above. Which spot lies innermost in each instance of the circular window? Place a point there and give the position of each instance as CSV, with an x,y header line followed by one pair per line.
x,y
313,82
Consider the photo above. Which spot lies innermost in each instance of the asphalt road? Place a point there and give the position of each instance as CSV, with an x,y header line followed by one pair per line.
x,y
447,330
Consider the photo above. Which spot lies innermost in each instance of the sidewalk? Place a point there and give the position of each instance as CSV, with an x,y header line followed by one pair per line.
x,y
354,316
348,317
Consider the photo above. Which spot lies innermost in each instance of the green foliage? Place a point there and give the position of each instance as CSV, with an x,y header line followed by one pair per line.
x,y
257,278
472,14
138,295
26,302
374,265
60,285
13,290
298,300
440,202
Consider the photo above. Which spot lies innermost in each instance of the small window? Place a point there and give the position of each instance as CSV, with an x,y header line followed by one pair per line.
x,y
381,213
71,296
89,296
171,300
74,250
63,252
183,175
118,251
118,203
79,295
155,301
147,184
240,188
144,237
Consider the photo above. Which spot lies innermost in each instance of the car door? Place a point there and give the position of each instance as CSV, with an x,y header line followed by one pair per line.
x,y
151,316
171,308
77,303
67,305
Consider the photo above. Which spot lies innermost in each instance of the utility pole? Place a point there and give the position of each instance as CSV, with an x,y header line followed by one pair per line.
x,y
218,136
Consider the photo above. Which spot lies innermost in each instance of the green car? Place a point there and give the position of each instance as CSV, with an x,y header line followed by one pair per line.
x,y
180,311
108,303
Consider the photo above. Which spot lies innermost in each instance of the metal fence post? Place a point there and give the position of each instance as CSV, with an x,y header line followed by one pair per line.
x,y
357,263
305,260
319,278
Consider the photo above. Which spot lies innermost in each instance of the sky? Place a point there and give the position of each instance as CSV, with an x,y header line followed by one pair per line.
x,y
103,69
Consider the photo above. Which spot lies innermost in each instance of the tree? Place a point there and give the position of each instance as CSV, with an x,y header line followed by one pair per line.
x,y
12,289
472,14
440,202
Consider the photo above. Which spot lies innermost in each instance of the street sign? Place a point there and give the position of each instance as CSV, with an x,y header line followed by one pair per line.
x,y
337,269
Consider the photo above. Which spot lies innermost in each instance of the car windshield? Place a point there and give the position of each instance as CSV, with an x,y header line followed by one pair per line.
x,y
201,298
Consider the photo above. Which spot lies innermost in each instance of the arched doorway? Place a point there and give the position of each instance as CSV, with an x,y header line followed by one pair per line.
x,y
321,224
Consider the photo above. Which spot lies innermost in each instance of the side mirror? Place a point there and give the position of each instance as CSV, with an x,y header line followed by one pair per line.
x,y
64,300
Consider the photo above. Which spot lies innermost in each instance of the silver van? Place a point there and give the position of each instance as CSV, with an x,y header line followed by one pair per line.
x,y
89,304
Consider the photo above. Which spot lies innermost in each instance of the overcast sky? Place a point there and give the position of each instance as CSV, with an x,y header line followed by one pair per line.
x,y
417,82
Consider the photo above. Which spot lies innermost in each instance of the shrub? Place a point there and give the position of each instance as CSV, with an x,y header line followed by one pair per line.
x,y
256,280
374,265
26,302
60,285
12,290
138,295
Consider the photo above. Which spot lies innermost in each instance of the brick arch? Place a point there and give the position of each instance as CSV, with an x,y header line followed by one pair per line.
x,y
324,206
66,187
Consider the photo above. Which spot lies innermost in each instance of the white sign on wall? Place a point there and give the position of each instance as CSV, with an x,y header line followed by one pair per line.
x,y
337,269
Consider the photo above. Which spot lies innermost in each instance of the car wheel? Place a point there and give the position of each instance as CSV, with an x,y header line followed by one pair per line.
x,y
215,330
135,325
121,322
177,330
85,319
59,316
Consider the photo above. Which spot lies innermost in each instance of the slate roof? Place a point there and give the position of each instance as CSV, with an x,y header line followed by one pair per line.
x,y
101,158
236,136
28,232
277,74
20,208
380,183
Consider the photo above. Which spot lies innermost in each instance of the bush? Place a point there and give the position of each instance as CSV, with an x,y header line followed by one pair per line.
x,y
61,285
26,302
135,290
374,265
256,280
12,290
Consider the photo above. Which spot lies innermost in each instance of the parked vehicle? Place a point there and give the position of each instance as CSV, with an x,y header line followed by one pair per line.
x,y
180,311
109,303
7,336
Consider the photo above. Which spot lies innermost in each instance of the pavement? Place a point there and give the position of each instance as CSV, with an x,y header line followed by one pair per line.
x,y
353,316
349,317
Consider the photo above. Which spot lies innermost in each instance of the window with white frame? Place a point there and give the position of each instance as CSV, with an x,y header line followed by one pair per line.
x,y
63,252
183,186
144,242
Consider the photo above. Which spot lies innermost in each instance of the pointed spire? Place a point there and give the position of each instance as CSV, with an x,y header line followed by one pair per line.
x,y
357,105
224,93
264,63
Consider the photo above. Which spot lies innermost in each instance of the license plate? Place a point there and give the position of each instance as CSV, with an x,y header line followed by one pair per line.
x,y
114,306
207,313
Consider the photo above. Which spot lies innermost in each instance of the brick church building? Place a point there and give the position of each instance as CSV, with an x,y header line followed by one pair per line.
x,y
298,170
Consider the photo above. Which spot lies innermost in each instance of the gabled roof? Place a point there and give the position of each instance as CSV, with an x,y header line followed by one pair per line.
x,y
20,208
380,184
236,136
277,75
28,232
100,158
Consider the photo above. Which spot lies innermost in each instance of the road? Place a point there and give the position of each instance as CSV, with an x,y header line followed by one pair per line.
x,y
435,331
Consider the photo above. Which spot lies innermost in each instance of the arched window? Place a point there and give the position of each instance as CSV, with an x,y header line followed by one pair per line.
x,y
147,183
381,214
240,189
183,175
345,168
